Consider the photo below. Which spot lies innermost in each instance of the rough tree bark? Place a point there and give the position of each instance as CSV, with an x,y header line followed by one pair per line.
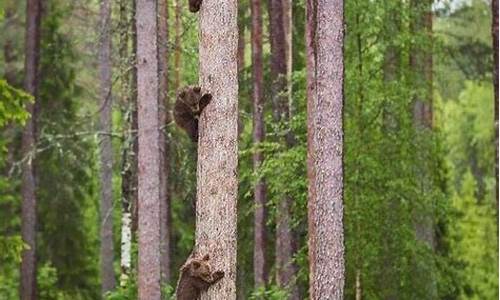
x,y
260,241
106,151
217,173
285,268
325,77
164,147
149,151
494,33
28,183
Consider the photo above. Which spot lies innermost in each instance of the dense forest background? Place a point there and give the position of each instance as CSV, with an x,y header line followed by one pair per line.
x,y
420,196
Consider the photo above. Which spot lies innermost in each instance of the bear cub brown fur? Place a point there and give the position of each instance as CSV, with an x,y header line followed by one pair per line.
x,y
189,105
196,276
194,5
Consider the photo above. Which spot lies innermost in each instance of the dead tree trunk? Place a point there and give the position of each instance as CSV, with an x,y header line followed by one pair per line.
x,y
28,183
106,151
217,171
260,241
325,77
164,147
149,151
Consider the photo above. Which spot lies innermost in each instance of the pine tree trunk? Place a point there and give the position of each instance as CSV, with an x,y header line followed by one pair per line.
x,y
494,32
106,151
260,241
217,171
149,151
288,27
421,66
28,183
325,77
285,268
164,158
134,121
241,35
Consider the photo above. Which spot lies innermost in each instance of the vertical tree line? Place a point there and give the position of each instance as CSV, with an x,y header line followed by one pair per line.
x,y
217,170
29,138
325,96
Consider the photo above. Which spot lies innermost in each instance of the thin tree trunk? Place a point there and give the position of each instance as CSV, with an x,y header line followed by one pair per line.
x,y
134,121
494,33
421,62
177,54
288,27
28,183
106,207
241,35
149,152
325,77
260,241
164,158
358,285
285,268
217,176
127,171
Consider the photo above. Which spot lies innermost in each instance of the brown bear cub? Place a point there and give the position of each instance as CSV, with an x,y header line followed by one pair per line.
x,y
194,5
188,107
196,276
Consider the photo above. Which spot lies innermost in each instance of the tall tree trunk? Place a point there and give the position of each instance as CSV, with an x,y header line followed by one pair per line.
x,y
421,62
421,66
242,9
260,241
149,151
164,147
134,121
177,54
325,78
285,268
28,183
105,127
217,176
288,27
494,33
389,280
127,170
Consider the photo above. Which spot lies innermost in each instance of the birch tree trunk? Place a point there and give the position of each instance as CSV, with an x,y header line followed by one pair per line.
x,y
164,158
217,171
325,77
28,183
149,151
260,241
127,170
106,151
